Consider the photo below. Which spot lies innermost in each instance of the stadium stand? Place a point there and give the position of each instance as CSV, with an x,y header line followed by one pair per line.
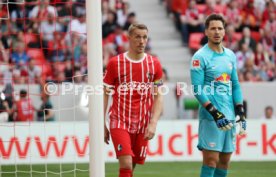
x,y
45,40
250,20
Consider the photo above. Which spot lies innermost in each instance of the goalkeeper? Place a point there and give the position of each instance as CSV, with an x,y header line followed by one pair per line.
x,y
216,86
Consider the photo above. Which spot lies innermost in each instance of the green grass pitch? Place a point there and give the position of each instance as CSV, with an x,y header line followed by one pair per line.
x,y
150,169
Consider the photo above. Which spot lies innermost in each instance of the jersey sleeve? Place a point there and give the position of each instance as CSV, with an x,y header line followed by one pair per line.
x,y
236,88
197,67
158,74
109,75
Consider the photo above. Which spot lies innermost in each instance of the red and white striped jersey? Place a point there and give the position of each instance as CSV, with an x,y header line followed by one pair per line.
x,y
132,82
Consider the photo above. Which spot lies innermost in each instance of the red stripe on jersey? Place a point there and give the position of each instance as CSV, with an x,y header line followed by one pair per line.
x,y
141,97
119,78
148,94
124,105
150,101
130,97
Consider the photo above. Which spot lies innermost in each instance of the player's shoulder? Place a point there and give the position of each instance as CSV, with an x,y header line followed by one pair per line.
x,y
155,60
114,60
153,57
202,53
230,53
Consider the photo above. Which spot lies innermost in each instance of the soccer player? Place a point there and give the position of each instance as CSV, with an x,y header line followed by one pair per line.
x,y
133,79
216,86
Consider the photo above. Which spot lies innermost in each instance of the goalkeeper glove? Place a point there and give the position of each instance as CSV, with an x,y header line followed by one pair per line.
x,y
240,117
222,122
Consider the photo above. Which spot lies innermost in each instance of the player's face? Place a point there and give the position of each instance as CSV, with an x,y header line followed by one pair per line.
x,y
138,40
215,32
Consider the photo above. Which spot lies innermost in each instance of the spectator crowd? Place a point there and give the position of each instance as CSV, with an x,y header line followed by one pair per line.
x,y
250,31
45,40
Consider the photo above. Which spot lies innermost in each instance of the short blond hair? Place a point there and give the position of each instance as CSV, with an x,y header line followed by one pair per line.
x,y
135,26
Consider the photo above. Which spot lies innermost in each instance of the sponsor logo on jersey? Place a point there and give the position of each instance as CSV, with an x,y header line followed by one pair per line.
x,y
134,85
224,77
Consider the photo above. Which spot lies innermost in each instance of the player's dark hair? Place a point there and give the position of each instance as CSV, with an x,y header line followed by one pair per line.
x,y
134,26
269,107
214,17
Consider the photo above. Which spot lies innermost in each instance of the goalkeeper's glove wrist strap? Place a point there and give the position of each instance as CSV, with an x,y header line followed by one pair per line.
x,y
240,111
212,110
239,108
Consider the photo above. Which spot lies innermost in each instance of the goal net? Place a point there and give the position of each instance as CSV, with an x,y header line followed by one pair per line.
x,y
43,72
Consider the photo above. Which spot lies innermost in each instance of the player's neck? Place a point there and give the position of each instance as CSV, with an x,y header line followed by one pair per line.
x,y
215,47
135,56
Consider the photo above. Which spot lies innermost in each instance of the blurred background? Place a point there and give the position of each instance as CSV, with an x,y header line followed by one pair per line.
x,y
43,50
44,41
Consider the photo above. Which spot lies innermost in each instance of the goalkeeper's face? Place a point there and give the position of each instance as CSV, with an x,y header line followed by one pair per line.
x,y
215,32
138,40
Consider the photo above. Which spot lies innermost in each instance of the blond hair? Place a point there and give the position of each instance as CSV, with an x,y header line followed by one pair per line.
x,y
135,26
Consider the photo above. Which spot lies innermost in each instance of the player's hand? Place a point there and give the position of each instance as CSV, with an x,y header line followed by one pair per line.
x,y
106,135
240,118
222,122
150,131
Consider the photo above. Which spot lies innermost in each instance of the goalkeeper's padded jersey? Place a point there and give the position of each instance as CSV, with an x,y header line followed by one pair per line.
x,y
214,78
132,82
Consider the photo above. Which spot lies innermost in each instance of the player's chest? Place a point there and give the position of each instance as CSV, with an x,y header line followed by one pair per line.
x,y
218,66
140,72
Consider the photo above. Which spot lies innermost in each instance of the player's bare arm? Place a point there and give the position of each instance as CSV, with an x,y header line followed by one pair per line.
x,y
156,113
106,131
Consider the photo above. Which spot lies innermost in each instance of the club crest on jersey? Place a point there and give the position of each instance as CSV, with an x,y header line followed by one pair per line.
x,y
150,76
196,63
120,147
230,66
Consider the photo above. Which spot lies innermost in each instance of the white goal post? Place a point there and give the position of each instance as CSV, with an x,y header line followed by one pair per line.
x,y
95,77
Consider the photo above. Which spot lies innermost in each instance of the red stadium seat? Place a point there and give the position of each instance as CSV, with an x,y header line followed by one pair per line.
x,y
238,36
40,61
46,69
194,40
256,36
29,37
201,7
220,9
59,66
37,55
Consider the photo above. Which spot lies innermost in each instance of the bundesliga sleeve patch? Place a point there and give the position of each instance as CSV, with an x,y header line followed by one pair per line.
x,y
196,63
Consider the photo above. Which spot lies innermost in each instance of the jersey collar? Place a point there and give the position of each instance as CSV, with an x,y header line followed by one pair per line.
x,y
135,61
